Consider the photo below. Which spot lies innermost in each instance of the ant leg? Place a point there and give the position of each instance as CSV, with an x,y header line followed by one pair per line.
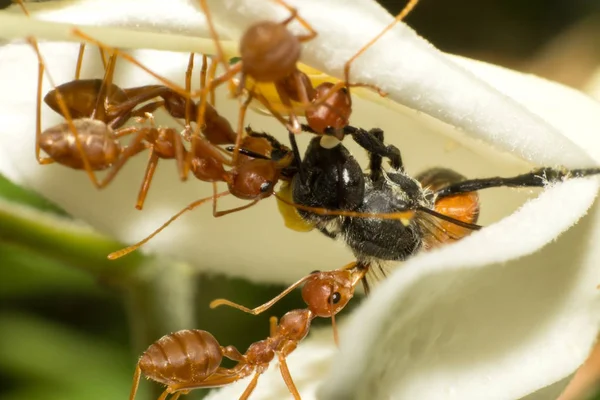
x,y
215,36
164,394
240,128
136,381
146,109
131,150
211,74
150,169
38,116
102,57
188,87
285,371
272,326
294,16
263,100
176,88
120,253
180,154
201,109
176,395
403,13
236,209
105,90
251,386
218,214
537,178
203,70
297,157
293,124
80,61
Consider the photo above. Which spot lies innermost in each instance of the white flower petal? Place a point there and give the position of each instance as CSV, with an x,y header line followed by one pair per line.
x,y
175,16
457,318
412,71
448,319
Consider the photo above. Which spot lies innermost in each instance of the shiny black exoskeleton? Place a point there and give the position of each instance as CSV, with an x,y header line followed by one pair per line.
x,y
329,177
332,178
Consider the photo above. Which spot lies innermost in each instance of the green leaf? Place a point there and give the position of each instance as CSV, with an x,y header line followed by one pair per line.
x,y
26,272
44,354
17,194
65,240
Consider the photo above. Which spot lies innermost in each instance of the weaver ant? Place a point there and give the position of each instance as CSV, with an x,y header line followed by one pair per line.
x,y
191,359
94,108
444,205
270,53
252,176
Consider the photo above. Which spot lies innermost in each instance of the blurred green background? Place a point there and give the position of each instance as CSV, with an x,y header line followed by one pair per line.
x,y
72,324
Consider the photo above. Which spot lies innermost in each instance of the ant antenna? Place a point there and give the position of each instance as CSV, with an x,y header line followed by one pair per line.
x,y
264,307
120,253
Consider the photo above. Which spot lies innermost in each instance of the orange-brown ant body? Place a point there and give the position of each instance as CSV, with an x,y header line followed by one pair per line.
x,y
190,359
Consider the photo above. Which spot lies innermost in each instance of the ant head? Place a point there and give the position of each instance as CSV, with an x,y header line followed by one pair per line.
x,y
254,179
269,51
334,113
326,293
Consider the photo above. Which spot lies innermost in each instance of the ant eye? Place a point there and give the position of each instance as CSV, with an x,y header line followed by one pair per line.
x,y
335,298
265,187
344,90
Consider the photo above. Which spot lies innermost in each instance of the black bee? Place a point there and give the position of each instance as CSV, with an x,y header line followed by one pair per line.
x,y
443,205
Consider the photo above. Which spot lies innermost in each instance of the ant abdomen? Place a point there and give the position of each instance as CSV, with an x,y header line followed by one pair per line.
x,y
270,51
96,138
81,96
182,357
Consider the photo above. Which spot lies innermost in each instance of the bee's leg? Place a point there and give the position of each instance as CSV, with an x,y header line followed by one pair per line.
x,y
537,178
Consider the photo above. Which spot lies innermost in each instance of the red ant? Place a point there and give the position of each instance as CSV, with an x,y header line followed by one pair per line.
x,y
191,359
251,177
83,143
270,54
94,107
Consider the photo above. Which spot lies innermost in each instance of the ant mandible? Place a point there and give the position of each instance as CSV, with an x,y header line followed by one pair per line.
x,y
191,359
